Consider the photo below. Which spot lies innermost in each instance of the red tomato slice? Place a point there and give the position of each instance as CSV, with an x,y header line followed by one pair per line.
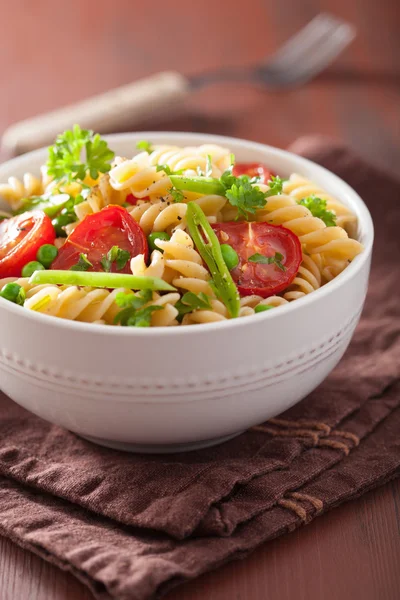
x,y
97,234
261,238
253,170
21,238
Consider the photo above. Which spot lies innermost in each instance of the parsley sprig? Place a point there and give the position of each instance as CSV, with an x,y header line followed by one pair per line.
x,y
134,313
240,191
317,207
268,260
115,255
77,152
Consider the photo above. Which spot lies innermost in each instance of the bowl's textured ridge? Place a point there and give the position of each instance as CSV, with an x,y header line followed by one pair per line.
x,y
264,375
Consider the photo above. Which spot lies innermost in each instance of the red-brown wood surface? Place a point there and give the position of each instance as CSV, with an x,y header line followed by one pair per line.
x,y
53,53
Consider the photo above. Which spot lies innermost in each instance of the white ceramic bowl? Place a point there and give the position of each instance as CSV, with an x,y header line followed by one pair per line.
x,y
171,389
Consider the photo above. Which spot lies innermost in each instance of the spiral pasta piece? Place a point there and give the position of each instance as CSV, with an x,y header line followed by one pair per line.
x,y
166,215
307,280
156,267
314,235
69,302
140,176
186,264
167,317
299,187
15,190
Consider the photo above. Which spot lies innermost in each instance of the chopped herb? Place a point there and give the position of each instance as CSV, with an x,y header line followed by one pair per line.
x,y
134,313
145,146
268,260
177,195
167,170
115,255
317,207
83,264
208,171
65,156
130,300
191,301
232,159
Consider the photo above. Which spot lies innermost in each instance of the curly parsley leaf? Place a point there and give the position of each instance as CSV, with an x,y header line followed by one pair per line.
x,y
134,313
245,197
115,255
191,301
83,264
275,186
76,153
268,260
144,146
317,207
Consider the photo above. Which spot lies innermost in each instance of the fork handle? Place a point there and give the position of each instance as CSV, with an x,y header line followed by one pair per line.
x,y
134,104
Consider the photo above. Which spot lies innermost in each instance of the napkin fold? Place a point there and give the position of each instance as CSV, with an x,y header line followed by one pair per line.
x,y
133,526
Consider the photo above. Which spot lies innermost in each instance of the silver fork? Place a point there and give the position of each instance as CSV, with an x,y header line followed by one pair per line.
x,y
301,58
140,103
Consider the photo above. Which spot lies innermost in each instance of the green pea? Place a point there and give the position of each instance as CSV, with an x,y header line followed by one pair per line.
x,y
157,235
46,254
262,307
31,267
61,221
14,293
230,256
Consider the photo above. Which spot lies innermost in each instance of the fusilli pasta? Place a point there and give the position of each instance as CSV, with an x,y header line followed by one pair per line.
x,y
16,189
324,243
299,187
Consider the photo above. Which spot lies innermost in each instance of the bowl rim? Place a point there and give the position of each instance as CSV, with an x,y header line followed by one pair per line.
x,y
340,280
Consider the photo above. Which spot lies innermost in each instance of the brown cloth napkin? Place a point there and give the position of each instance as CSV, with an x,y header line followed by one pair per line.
x,y
132,527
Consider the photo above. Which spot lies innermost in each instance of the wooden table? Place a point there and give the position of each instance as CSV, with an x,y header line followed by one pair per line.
x,y
51,54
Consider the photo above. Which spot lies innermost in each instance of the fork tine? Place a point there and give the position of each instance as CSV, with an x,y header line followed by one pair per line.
x,y
306,41
308,65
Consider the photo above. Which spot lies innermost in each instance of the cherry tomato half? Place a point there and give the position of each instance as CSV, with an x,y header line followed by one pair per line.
x,y
265,239
97,234
253,170
21,238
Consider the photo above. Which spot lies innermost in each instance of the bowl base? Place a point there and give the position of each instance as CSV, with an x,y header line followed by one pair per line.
x,y
159,448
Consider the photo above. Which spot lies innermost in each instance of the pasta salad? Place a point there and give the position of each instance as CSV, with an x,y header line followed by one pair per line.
x,y
173,236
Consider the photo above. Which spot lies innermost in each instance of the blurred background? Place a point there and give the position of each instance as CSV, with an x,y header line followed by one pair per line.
x,y
54,53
